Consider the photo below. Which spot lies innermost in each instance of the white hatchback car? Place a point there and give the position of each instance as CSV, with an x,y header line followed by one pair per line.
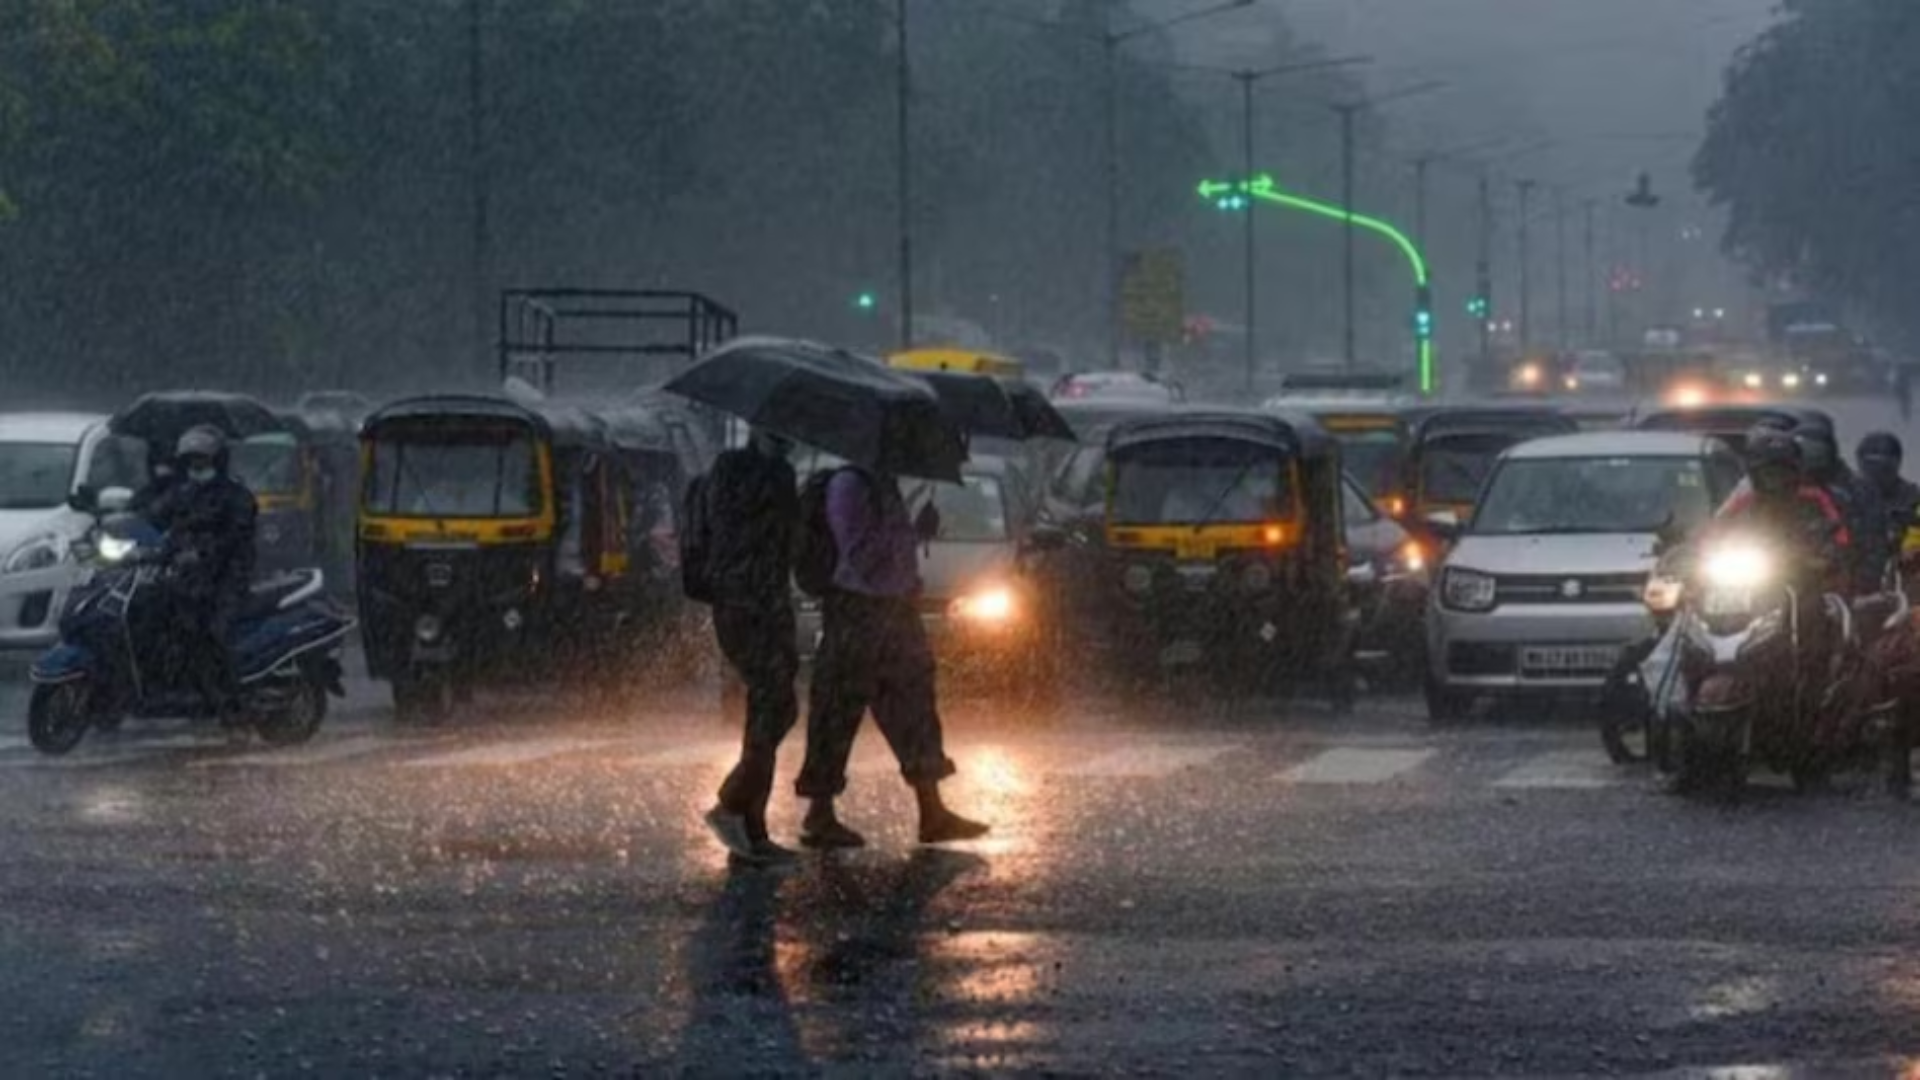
x,y
44,458
1543,586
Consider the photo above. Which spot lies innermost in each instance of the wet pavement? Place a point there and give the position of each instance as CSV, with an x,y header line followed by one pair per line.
x,y
1277,892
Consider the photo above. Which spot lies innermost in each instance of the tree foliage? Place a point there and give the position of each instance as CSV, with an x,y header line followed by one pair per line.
x,y
1812,153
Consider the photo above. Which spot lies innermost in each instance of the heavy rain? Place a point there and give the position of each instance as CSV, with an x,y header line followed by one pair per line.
x,y
1372,534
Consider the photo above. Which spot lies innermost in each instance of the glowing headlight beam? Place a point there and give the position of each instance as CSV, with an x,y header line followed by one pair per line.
x,y
1738,567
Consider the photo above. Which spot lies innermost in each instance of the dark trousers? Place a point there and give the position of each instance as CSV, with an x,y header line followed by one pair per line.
x,y
873,654
758,641
206,656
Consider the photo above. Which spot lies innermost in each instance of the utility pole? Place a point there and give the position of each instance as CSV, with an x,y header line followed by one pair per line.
x,y
1420,166
1593,314
1347,112
903,179
1112,253
1483,273
1526,266
1563,321
481,252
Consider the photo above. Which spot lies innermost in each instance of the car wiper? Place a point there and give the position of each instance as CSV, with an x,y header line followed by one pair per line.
x,y
1220,500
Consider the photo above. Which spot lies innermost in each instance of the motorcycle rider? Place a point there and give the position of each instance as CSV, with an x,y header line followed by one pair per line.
x,y
1860,504
1784,503
1878,459
208,520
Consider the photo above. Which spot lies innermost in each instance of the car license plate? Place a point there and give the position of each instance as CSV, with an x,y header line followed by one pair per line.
x,y
1551,660
1724,601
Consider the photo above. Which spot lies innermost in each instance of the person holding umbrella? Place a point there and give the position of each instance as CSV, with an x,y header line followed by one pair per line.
x,y
874,655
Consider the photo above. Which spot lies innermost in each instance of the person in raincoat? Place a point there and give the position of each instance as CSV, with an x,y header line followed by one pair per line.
x,y
874,654
749,517
1879,458
209,520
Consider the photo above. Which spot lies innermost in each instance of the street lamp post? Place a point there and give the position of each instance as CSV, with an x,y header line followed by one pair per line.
x,y
1560,262
1525,188
482,228
1110,44
1247,80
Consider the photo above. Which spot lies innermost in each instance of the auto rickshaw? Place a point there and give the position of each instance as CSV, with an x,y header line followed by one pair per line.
x,y
492,539
1452,448
1227,546
332,441
1375,437
660,454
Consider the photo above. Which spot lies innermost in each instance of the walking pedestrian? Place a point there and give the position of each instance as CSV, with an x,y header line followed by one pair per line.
x,y
874,654
742,519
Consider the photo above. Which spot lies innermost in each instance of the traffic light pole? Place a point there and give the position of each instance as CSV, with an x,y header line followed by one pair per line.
x,y
1526,267
1484,274
1246,79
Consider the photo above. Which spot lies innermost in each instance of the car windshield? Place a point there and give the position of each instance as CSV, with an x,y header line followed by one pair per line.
x,y
472,474
1452,469
1374,458
974,511
1594,495
117,461
1200,482
35,475
268,464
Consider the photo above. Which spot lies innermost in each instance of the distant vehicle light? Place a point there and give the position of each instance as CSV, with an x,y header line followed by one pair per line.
x,y
1754,380
992,606
1530,375
1688,396
1573,382
1791,380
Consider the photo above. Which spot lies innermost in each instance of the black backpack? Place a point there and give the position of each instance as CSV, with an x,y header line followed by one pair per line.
x,y
696,543
815,554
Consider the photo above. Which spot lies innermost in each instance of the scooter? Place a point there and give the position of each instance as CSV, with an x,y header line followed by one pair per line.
x,y
116,658
1754,695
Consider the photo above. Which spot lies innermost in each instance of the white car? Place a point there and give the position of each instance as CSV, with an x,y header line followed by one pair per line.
x,y
44,458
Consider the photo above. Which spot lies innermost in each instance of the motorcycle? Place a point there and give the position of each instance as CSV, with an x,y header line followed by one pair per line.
x,y
116,657
1755,693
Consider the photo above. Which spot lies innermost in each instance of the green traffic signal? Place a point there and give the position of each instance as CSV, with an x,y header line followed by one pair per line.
x,y
866,301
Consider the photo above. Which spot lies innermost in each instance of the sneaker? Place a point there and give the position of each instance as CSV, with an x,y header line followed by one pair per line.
x,y
731,830
949,828
830,836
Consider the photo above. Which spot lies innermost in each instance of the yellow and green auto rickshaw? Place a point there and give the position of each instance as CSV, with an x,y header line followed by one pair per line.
x,y
492,543
1226,543
964,361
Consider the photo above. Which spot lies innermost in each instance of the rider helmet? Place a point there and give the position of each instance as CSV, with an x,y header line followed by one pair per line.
x,y
1774,462
1879,456
202,447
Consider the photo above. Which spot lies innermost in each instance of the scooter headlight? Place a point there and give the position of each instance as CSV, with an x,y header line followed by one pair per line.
x,y
1738,566
115,549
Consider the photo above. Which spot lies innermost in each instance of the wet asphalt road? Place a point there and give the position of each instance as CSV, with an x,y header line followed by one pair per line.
x,y
1279,893
1282,892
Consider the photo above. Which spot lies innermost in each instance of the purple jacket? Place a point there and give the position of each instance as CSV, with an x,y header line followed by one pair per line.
x,y
876,538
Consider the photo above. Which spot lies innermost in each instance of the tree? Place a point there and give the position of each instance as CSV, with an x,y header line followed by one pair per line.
x,y
1811,152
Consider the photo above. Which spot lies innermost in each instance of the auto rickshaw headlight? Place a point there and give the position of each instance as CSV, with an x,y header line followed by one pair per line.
x,y
427,628
513,620
1258,577
1137,579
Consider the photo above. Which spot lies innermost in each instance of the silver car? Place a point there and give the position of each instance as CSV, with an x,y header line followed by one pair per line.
x,y
1542,588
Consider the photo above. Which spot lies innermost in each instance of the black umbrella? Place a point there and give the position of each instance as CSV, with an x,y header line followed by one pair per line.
x,y
847,405
997,408
161,419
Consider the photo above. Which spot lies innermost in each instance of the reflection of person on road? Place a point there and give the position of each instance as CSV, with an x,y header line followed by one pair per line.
x,y
752,511
874,653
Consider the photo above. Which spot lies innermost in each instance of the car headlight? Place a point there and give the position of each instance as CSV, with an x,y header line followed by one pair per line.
x,y
1820,379
1410,559
38,553
115,549
1467,590
994,606
1662,594
1791,380
1754,380
1737,566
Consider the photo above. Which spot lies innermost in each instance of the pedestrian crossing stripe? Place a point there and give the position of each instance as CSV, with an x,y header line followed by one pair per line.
x,y
1147,762
1577,769
1356,765
497,755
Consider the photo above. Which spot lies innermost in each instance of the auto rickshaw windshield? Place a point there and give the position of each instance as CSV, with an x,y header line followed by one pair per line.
x,y
1374,458
1453,467
1200,482
268,464
441,473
